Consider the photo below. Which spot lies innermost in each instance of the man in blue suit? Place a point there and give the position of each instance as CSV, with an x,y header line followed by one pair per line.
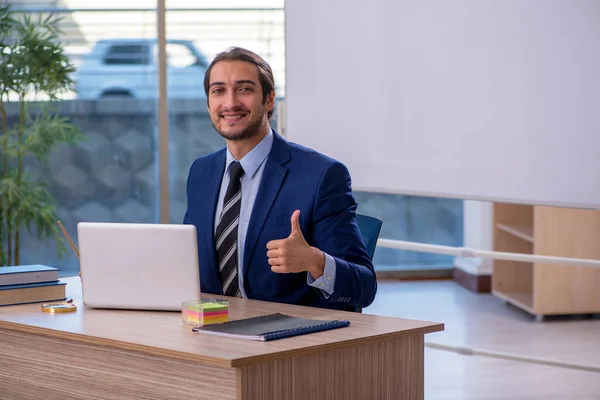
x,y
275,220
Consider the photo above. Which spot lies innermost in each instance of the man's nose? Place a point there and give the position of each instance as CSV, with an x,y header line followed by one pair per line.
x,y
231,99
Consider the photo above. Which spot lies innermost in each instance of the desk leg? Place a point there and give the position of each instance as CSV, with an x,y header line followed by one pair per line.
x,y
382,369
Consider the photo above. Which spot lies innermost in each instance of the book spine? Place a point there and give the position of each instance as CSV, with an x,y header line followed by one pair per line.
x,y
48,300
28,277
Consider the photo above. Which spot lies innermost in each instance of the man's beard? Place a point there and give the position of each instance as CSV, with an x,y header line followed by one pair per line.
x,y
252,130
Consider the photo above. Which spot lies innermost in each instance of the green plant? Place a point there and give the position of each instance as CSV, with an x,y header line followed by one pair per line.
x,y
33,65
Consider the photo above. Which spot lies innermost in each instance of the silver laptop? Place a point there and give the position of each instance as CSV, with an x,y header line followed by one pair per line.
x,y
138,266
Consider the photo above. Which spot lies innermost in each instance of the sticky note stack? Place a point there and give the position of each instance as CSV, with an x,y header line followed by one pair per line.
x,y
205,312
215,313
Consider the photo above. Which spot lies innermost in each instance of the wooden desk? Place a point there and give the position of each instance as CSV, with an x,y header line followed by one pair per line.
x,y
102,354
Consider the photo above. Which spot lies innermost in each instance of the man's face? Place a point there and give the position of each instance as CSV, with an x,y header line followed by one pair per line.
x,y
235,100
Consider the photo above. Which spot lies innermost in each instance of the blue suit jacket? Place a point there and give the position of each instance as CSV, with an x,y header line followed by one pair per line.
x,y
294,178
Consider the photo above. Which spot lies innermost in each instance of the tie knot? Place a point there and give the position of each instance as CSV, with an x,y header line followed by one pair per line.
x,y
235,171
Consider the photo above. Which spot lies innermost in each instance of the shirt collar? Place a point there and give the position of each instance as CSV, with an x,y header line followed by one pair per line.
x,y
255,157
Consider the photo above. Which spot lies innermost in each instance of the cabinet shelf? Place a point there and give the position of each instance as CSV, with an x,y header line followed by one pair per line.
x,y
521,300
547,289
521,231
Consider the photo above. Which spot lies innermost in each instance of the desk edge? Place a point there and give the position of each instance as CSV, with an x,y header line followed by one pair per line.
x,y
230,363
119,344
241,361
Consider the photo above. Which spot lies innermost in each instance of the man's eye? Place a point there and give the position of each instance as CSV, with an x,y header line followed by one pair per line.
x,y
217,90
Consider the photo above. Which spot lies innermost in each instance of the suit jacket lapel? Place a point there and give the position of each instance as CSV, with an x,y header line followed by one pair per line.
x,y
272,179
213,177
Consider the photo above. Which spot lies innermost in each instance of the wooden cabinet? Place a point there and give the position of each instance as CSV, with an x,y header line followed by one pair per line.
x,y
547,289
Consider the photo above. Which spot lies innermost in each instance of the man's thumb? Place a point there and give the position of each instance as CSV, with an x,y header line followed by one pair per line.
x,y
296,231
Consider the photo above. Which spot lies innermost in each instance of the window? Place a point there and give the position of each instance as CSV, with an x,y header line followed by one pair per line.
x,y
180,56
415,219
110,175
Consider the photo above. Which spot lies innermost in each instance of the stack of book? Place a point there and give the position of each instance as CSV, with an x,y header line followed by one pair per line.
x,y
30,284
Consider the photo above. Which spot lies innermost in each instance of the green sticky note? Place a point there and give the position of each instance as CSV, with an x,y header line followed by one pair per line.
x,y
214,306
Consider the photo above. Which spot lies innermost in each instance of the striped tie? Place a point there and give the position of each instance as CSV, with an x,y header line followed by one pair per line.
x,y
226,234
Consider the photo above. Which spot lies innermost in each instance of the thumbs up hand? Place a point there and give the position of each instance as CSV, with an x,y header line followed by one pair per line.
x,y
293,254
296,231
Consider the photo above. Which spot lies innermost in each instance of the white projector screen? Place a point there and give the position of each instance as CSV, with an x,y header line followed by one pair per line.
x,y
474,99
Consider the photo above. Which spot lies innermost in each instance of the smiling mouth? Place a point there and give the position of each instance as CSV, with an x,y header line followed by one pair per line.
x,y
234,117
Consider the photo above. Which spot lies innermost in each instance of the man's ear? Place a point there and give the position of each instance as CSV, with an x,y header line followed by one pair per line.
x,y
270,101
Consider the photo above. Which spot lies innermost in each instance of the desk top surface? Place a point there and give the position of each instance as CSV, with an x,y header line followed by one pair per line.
x,y
164,333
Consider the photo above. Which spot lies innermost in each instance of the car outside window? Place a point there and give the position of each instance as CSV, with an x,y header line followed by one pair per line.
x,y
129,54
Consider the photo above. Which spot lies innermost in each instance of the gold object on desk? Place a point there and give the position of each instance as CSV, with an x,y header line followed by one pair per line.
x,y
56,308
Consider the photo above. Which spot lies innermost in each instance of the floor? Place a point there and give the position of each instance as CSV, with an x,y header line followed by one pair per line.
x,y
515,357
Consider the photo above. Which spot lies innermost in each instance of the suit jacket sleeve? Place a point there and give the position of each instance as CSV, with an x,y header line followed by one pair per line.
x,y
336,233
